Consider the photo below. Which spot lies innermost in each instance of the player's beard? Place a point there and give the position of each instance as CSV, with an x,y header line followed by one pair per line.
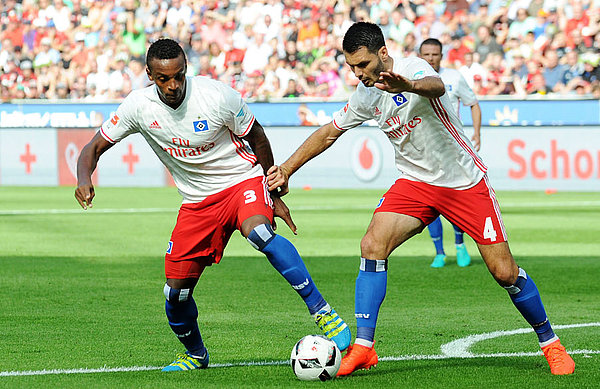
x,y
378,69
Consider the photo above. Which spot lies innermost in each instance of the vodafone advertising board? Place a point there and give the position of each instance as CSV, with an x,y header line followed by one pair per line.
x,y
518,158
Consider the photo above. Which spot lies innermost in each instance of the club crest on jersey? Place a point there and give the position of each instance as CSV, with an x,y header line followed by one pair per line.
x,y
399,99
169,247
200,125
449,87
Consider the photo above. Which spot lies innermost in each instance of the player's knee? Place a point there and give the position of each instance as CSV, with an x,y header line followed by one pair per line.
x,y
175,296
505,274
261,236
370,247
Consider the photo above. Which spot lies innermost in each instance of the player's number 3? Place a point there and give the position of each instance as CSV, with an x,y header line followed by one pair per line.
x,y
250,196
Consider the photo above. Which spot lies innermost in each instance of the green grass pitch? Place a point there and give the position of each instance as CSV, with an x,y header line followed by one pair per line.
x,y
83,290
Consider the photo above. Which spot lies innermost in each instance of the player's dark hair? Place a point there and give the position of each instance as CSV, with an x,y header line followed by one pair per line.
x,y
364,34
432,42
164,48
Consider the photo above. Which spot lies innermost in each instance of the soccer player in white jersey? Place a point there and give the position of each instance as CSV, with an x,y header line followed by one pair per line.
x,y
198,128
459,91
440,173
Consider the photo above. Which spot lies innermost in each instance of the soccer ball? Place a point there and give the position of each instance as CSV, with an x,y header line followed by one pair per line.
x,y
315,357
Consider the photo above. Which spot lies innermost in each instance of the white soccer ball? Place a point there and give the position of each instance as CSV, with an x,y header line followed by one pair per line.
x,y
315,357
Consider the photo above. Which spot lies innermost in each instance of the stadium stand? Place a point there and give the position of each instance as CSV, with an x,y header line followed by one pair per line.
x,y
93,50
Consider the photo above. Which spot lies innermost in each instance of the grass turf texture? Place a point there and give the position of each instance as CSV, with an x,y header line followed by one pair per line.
x,y
84,290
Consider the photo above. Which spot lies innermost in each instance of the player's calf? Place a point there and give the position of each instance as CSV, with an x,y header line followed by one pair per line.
x,y
182,313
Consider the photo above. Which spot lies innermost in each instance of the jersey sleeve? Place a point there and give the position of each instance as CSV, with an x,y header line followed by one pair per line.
x,y
353,114
122,123
465,93
417,68
236,113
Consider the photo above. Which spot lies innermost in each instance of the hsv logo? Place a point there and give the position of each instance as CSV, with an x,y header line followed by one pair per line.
x,y
200,125
399,99
449,87
155,126
114,120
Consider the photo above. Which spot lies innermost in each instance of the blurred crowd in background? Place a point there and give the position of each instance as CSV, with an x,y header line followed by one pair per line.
x,y
94,50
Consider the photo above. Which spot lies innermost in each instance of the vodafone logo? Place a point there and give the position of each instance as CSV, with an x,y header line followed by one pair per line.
x,y
366,158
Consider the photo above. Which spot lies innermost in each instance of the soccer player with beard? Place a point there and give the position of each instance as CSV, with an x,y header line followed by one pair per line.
x,y
440,173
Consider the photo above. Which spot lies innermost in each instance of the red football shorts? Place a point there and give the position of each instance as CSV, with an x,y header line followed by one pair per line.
x,y
203,229
474,210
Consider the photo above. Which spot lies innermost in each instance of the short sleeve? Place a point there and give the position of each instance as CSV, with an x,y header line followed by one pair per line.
x,y
417,68
236,113
353,114
122,123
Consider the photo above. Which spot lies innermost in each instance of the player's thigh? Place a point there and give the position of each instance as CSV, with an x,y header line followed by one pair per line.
x,y
475,211
500,262
253,205
387,231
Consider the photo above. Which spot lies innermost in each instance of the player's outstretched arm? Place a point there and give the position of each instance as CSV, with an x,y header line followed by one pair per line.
x,y
430,86
86,164
315,144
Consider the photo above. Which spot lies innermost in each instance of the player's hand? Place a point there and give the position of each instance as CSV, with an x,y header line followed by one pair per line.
x,y
393,83
84,195
282,211
277,179
476,140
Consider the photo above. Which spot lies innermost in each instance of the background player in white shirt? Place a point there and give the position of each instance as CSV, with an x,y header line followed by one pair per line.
x,y
441,173
197,127
459,91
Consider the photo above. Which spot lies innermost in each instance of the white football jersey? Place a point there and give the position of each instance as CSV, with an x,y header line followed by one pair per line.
x,y
427,135
199,142
457,88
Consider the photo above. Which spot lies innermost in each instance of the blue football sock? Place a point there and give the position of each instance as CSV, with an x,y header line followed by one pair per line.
x,y
437,235
458,235
371,285
285,259
183,314
526,297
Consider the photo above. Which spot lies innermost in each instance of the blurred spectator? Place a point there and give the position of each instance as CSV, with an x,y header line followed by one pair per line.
x,y
553,72
574,70
136,73
522,25
485,43
490,42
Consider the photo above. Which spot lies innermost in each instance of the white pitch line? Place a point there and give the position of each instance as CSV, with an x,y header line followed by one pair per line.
x,y
539,205
276,363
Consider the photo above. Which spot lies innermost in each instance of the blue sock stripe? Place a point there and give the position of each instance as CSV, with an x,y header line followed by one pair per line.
x,y
261,236
373,265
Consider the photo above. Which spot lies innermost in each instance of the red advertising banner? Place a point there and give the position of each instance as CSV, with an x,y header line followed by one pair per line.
x,y
70,144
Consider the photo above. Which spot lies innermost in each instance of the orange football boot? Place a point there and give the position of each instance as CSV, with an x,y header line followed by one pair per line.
x,y
357,357
560,362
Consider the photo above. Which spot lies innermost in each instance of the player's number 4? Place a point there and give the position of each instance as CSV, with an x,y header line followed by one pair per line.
x,y
488,230
250,196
